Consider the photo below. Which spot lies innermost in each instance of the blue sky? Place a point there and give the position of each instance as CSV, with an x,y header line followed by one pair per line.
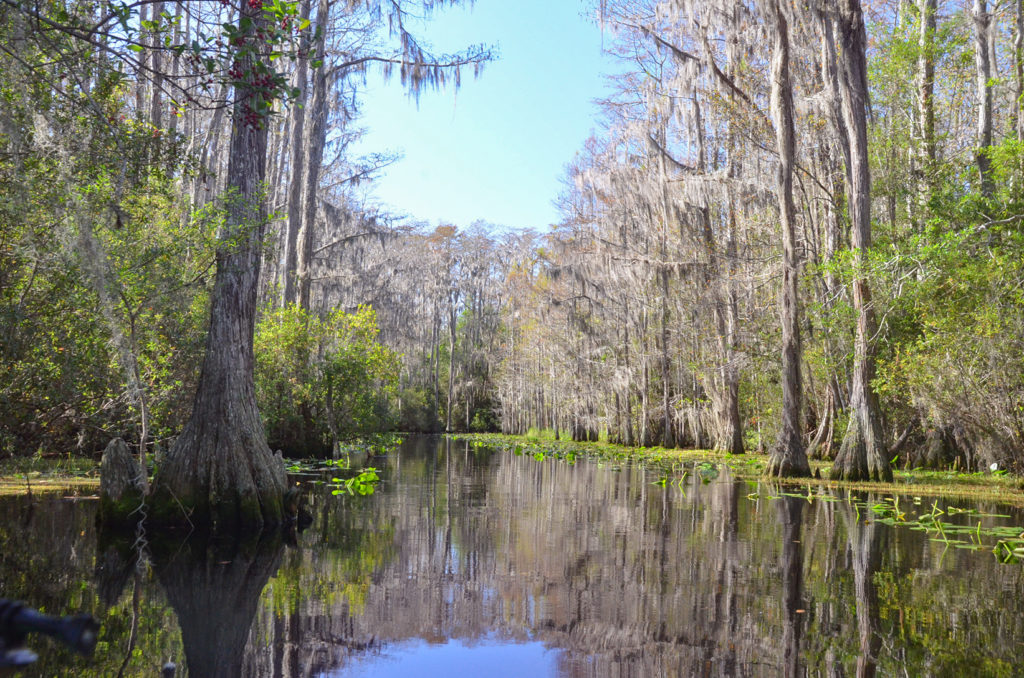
x,y
496,149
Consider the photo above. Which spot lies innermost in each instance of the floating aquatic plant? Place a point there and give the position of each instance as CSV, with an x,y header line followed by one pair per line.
x,y
363,484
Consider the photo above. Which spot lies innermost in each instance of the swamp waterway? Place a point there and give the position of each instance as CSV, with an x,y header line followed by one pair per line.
x,y
475,561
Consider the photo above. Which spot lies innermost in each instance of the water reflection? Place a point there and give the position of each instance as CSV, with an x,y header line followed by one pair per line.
x,y
791,513
626,578
214,588
865,538
468,558
420,659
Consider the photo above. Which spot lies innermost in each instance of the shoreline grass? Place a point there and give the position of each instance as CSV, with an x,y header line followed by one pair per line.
x,y
1005,489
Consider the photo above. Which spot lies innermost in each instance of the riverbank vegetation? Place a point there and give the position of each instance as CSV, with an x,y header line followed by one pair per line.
x,y
674,465
798,232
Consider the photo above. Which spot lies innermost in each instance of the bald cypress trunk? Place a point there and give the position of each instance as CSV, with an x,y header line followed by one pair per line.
x,y
925,101
862,455
667,437
314,158
156,104
733,440
172,122
452,319
983,74
728,432
731,373
295,183
203,183
220,472
787,457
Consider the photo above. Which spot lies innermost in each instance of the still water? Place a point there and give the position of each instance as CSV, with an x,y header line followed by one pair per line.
x,y
473,562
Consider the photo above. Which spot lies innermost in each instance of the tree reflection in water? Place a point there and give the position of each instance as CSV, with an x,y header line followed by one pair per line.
x,y
214,588
865,539
791,513
610,574
620,577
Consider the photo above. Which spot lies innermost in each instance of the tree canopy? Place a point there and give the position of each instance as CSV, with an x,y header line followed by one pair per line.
x,y
797,231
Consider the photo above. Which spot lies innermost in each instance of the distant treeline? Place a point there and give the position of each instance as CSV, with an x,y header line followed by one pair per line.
x,y
798,231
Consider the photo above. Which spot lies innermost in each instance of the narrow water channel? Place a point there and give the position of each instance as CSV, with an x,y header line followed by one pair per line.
x,y
467,561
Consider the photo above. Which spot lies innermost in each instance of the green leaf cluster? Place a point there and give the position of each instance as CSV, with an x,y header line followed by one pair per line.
x,y
102,271
321,379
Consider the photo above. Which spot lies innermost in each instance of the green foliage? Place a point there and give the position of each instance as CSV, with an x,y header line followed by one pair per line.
x,y
102,273
322,378
953,304
362,484
484,420
417,410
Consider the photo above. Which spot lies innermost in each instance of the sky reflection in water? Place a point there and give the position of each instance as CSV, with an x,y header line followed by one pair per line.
x,y
491,658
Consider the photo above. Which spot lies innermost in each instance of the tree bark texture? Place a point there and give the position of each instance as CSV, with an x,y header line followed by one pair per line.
x,y
452,319
862,453
314,158
172,122
295,183
983,73
925,99
728,430
156,107
123,484
667,215
220,471
203,184
787,457
733,439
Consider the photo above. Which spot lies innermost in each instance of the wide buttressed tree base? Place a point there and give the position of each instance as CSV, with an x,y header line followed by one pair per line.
x,y
862,455
220,471
788,458
221,474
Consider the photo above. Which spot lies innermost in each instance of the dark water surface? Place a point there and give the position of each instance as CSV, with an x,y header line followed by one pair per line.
x,y
468,562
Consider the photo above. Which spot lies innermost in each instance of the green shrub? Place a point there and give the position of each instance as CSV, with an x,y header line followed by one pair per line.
x,y
319,380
